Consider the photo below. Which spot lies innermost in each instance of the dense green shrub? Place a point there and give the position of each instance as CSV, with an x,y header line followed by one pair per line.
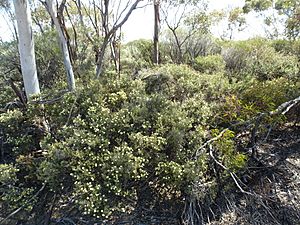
x,y
267,96
12,193
112,138
209,64
268,64
256,97
257,58
118,139
21,133
287,47
138,54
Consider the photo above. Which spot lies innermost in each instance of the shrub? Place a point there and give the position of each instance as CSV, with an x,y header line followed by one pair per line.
x,y
209,64
255,98
125,132
287,47
119,139
257,58
267,64
138,55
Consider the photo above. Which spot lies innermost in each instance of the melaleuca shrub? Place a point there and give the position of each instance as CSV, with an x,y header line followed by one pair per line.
x,y
268,95
20,133
209,64
121,134
12,194
111,138
257,58
18,188
267,64
90,154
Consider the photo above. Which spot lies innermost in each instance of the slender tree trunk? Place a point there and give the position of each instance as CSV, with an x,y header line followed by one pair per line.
x,y
100,58
109,33
26,47
63,44
115,52
156,4
179,57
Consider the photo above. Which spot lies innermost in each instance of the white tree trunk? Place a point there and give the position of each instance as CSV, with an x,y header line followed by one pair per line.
x,y
63,44
26,47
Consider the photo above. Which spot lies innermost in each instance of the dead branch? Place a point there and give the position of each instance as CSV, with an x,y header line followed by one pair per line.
x,y
18,92
57,98
285,107
20,208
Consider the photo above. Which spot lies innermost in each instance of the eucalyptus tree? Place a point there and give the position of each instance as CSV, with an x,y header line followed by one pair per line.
x,y
55,15
287,10
26,47
236,21
186,20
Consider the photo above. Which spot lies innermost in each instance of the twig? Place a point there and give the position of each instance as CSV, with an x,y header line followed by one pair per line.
x,y
20,208
61,94
234,177
196,154
71,110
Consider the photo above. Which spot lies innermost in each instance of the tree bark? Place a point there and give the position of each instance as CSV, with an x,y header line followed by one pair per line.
x,y
63,44
26,47
156,4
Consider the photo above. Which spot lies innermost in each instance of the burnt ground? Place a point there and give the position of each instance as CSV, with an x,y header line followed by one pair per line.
x,y
274,177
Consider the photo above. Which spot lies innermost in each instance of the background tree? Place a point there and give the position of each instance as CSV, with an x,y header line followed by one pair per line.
x,y
287,10
111,27
191,20
236,21
156,5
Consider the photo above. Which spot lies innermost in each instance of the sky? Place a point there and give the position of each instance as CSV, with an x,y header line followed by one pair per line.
x,y
140,24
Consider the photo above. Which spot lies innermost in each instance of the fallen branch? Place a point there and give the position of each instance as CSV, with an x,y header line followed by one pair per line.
x,y
233,175
285,107
197,153
190,210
